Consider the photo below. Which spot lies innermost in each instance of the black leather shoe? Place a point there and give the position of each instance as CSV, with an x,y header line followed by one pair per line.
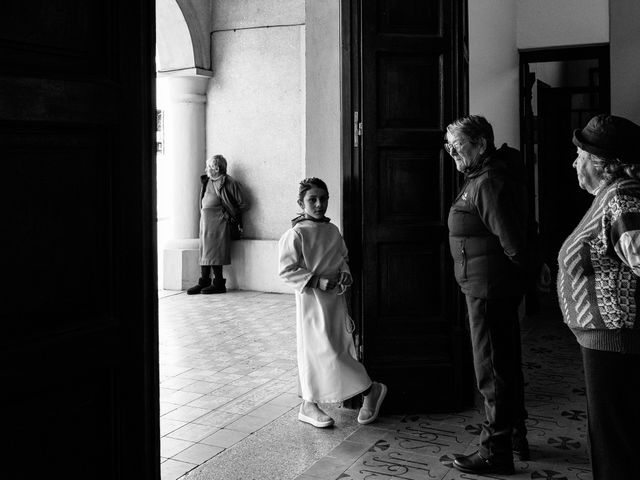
x,y
521,450
474,463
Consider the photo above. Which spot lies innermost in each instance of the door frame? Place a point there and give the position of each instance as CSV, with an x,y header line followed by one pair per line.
x,y
527,127
350,149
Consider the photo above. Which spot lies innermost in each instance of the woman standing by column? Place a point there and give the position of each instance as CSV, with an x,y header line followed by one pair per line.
x,y
221,201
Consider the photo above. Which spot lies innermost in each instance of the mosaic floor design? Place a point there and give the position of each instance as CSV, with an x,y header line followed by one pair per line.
x,y
229,404
420,447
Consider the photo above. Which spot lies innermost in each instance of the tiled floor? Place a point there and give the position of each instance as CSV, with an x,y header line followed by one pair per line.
x,y
227,369
229,404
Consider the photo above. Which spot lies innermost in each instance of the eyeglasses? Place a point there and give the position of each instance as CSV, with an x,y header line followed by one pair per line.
x,y
453,149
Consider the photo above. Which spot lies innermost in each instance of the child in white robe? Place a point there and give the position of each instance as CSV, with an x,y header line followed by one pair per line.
x,y
313,260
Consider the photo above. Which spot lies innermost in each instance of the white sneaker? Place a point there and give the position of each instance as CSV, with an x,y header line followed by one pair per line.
x,y
372,402
318,421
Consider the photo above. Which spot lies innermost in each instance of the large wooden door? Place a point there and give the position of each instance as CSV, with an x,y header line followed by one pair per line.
x,y
78,362
413,83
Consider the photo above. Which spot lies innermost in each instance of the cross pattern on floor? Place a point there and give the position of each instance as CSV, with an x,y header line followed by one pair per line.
x,y
229,404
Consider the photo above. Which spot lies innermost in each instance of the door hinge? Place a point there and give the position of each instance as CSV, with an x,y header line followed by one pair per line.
x,y
357,129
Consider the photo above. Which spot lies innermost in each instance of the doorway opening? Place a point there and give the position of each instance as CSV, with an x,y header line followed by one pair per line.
x,y
560,90
227,367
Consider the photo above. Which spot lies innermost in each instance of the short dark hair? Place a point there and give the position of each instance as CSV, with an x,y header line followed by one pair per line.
x,y
474,127
308,183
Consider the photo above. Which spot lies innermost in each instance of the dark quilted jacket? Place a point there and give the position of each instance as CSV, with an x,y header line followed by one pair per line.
x,y
487,228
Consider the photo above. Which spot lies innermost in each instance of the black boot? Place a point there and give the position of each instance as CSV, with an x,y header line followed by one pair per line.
x,y
474,463
521,449
218,286
202,283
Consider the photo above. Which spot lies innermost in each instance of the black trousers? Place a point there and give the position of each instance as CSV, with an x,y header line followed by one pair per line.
x,y
497,360
613,404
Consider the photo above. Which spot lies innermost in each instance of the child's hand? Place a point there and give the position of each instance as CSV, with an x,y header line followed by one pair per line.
x,y
345,279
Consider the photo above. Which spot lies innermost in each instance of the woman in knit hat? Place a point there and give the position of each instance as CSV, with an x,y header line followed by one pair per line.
x,y
599,290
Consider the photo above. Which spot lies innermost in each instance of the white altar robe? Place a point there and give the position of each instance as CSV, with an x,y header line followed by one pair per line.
x,y
327,364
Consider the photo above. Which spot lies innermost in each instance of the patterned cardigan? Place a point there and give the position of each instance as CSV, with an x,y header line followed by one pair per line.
x,y
599,269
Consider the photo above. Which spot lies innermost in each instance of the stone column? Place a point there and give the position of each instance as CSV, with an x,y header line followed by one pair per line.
x,y
185,143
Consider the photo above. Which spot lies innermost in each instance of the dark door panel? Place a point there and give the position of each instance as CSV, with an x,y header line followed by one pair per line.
x,y
78,361
414,339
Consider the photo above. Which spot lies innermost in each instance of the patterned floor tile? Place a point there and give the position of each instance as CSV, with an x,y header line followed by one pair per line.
x,y
425,438
384,461
247,351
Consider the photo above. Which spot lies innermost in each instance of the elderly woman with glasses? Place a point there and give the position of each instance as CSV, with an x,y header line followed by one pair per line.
x,y
599,291
487,236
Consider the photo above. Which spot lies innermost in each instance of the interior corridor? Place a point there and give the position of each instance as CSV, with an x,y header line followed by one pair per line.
x,y
229,404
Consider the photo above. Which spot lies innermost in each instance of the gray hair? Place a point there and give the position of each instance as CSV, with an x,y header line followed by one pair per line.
x,y
612,169
474,127
220,161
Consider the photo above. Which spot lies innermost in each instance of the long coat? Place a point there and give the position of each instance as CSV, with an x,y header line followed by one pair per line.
x,y
327,366
215,234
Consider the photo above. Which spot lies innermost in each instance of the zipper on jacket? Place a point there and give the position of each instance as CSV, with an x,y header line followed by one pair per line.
x,y
463,260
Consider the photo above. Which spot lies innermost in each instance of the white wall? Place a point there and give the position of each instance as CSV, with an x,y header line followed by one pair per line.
x,y
256,106
274,103
552,23
273,110
493,67
498,28
323,122
625,59
256,13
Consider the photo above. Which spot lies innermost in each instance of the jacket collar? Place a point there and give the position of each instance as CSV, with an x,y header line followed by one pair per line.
x,y
302,217
204,179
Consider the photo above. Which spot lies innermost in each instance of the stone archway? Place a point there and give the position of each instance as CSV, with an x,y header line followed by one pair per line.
x,y
183,36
